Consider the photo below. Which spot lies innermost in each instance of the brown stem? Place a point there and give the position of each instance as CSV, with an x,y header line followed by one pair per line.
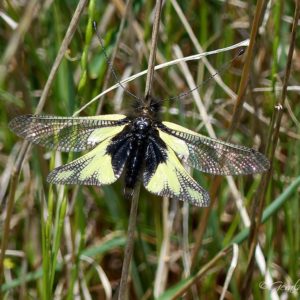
x,y
233,124
113,56
135,198
190,282
10,204
62,50
204,220
259,202
129,244
151,61
30,12
25,146
246,70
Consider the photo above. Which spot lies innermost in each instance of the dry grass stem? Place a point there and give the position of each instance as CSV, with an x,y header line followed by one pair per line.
x,y
25,145
114,53
259,202
30,13
151,61
216,183
122,292
246,70
244,43
212,263
135,198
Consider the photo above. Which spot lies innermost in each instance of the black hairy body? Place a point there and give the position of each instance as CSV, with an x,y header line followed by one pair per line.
x,y
138,147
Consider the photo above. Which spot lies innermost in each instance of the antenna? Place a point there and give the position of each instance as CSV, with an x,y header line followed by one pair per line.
x,y
222,69
110,64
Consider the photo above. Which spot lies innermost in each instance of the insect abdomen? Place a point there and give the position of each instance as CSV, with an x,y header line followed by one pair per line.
x,y
134,166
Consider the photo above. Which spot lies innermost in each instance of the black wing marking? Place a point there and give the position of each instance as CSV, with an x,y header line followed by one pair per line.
x,y
67,133
210,155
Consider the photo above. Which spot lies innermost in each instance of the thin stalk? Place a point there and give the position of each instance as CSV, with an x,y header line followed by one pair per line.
x,y
10,203
270,211
151,62
260,199
246,70
61,52
25,145
274,72
58,230
161,66
204,220
113,56
88,38
178,289
135,197
32,9
129,244
46,224
176,293
233,124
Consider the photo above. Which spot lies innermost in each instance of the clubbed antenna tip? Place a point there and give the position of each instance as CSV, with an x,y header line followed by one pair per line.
x,y
241,51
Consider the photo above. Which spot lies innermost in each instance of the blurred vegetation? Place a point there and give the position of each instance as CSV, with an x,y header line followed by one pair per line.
x,y
76,235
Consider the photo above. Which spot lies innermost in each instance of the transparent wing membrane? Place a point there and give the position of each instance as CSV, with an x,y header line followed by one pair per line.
x,y
66,133
211,155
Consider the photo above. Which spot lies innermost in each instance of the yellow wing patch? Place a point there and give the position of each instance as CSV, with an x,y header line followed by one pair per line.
x,y
178,146
180,128
101,134
112,117
164,177
93,168
171,179
99,167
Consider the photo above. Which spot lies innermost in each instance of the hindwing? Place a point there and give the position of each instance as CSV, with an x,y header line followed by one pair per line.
x,y
93,168
164,175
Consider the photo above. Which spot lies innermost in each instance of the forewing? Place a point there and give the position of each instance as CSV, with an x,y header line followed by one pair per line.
x,y
93,168
211,155
169,178
66,133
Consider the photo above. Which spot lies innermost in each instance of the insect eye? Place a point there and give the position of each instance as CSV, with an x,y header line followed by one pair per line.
x,y
154,107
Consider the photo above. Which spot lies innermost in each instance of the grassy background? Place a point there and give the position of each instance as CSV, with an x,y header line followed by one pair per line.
x,y
69,241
